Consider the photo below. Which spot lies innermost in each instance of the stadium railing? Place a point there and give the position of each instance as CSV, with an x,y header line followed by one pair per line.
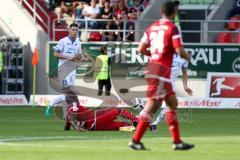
x,y
196,1
36,17
202,28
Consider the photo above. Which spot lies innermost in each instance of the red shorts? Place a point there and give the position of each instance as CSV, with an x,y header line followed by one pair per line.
x,y
105,120
159,83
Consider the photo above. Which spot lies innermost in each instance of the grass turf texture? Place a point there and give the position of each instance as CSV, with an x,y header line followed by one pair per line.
x,y
26,134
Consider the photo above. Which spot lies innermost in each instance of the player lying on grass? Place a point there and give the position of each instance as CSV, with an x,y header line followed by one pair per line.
x,y
82,118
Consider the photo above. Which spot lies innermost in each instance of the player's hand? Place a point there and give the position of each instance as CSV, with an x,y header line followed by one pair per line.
x,y
188,90
76,58
85,57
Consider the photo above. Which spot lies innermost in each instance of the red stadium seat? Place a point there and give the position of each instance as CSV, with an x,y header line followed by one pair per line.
x,y
95,36
224,37
234,25
237,37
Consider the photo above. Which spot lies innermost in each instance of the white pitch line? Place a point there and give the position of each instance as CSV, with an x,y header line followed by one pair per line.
x,y
23,138
40,138
60,146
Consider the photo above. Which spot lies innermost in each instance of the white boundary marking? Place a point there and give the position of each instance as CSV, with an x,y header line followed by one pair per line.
x,y
23,142
39,138
40,145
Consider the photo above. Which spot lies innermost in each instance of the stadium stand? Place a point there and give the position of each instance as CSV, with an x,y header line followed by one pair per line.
x,y
190,12
60,27
196,2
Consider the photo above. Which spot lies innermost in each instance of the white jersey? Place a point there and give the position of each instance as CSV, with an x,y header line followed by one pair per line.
x,y
66,46
177,66
91,10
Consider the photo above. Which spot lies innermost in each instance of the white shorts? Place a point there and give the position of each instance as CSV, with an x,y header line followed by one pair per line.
x,y
67,81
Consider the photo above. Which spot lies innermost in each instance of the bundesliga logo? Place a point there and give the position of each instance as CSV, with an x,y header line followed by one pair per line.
x,y
225,86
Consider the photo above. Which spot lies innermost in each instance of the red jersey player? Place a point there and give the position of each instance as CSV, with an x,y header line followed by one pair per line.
x,y
163,39
82,118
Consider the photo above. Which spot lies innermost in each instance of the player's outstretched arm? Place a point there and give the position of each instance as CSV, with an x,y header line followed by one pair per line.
x,y
181,51
185,81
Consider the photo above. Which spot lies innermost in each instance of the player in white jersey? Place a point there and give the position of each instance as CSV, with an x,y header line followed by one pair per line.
x,y
68,49
178,65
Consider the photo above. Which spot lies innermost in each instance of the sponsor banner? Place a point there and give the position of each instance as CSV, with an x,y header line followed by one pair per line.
x,y
223,85
184,102
43,100
13,100
213,58
197,102
210,103
205,58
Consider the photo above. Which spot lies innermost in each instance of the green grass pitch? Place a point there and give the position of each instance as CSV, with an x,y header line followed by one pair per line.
x,y
25,134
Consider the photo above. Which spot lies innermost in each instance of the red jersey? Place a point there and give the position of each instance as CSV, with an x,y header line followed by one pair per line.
x,y
163,38
85,116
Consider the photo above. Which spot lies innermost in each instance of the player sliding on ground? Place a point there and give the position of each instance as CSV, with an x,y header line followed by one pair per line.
x,y
179,64
82,118
163,39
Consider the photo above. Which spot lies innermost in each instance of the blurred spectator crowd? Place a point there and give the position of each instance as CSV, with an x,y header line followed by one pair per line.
x,y
115,15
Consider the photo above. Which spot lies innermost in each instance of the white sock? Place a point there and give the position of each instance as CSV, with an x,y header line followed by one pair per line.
x,y
56,100
160,117
64,105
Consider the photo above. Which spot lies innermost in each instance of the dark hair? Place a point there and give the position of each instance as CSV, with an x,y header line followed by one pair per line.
x,y
71,97
73,25
103,50
168,8
177,3
96,1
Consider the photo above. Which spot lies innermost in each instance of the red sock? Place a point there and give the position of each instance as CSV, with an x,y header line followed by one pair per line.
x,y
172,122
128,115
143,124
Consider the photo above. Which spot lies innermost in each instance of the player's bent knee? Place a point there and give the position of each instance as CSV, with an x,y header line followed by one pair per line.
x,y
172,101
145,116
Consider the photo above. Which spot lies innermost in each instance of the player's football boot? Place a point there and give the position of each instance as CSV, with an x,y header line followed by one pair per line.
x,y
48,111
136,146
153,128
67,126
182,146
127,128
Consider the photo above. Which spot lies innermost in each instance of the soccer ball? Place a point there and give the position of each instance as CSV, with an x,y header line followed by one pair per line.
x,y
138,103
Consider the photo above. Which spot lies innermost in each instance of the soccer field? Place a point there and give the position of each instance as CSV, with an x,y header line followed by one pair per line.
x,y
26,134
